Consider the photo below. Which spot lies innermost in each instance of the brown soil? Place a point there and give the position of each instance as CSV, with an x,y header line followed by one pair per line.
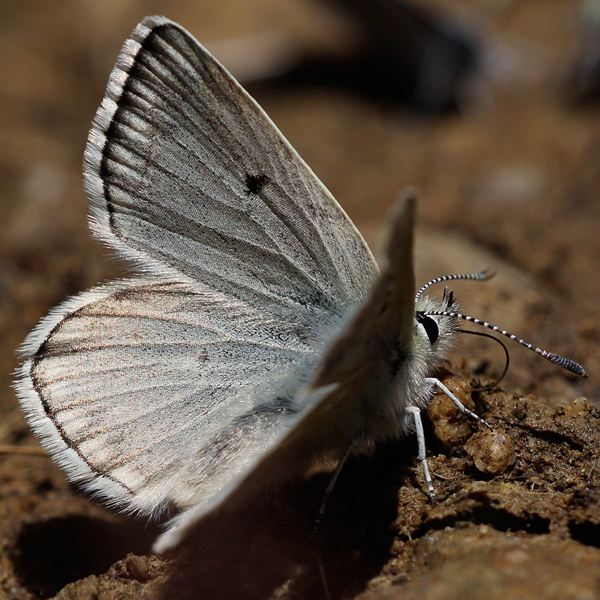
x,y
512,181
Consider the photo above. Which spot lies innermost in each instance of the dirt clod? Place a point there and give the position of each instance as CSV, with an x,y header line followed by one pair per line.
x,y
492,451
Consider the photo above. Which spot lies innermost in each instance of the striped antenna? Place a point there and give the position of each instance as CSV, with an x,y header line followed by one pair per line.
x,y
565,363
484,275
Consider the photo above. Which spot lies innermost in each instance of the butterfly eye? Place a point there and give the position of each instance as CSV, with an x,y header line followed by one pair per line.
x,y
431,327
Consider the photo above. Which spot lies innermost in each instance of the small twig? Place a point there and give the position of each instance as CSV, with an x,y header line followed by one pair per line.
x,y
29,450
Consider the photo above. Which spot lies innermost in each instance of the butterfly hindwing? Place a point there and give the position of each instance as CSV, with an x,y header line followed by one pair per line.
x,y
141,389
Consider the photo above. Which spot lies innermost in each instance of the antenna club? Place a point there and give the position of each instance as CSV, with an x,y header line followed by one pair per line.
x,y
566,363
487,274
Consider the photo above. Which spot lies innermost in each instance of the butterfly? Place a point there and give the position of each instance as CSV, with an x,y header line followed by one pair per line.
x,y
258,339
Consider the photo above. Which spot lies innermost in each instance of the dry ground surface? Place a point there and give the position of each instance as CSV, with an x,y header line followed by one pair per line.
x,y
511,180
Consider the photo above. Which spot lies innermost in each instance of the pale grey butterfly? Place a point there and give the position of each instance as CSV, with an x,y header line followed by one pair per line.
x,y
260,339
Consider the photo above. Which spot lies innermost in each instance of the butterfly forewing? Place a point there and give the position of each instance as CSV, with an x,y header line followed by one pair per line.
x,y
194,175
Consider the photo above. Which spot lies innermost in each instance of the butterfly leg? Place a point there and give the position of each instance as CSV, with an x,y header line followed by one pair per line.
x,y
421,456
329,488
433,381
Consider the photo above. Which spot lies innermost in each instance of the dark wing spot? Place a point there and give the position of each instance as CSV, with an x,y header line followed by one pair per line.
x,y
255,183
202,356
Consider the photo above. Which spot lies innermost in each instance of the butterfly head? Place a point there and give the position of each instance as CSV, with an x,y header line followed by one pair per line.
x,y
435,331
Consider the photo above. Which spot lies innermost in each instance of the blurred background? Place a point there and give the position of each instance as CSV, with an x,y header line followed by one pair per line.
x,y
489,108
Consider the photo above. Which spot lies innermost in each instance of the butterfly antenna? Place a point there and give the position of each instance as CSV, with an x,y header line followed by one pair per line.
x,y
506,365
484,275
565,363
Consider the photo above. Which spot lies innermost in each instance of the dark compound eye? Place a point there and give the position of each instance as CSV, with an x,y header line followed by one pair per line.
x,y
431,327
